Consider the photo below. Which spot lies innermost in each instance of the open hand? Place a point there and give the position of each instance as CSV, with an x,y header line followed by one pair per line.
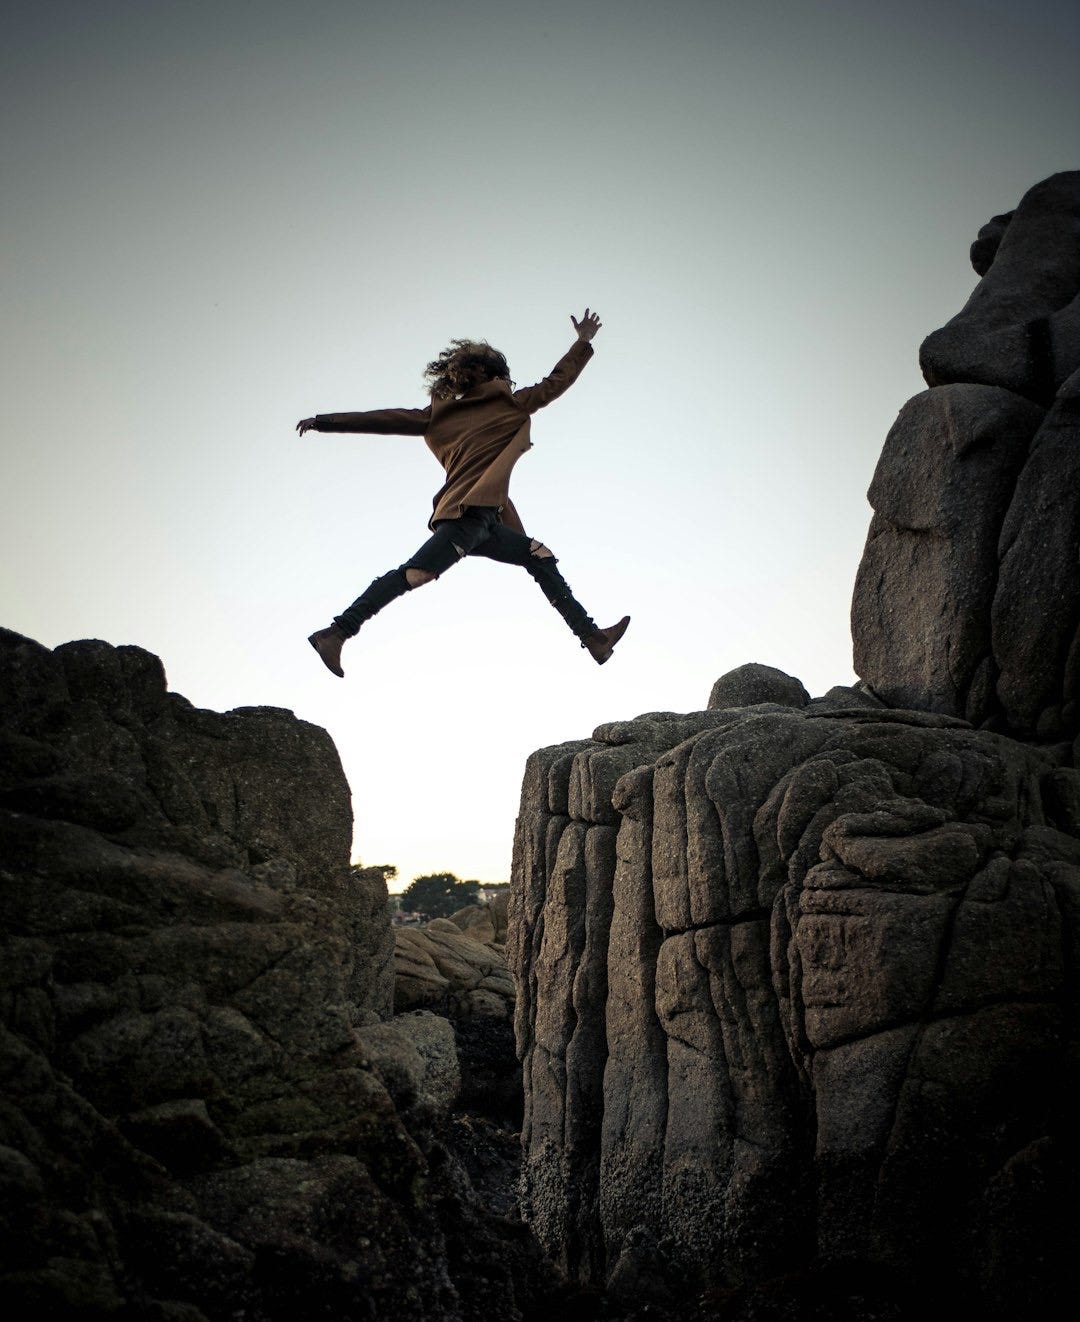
x,y
305,424
587,327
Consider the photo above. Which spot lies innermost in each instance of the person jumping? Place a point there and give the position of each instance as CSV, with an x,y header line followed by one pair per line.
x,y
477,426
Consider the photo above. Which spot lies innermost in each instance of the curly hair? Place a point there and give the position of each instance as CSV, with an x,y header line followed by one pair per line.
x,y
462,366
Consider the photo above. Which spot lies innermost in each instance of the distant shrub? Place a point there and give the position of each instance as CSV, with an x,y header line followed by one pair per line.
x,y
438,895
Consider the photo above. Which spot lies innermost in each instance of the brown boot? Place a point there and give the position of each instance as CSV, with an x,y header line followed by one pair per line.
x,y
328,643
601,644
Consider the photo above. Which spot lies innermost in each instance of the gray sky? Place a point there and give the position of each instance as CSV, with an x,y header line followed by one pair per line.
x,y
220,218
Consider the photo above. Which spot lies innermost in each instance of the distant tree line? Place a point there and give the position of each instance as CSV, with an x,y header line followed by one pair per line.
x,y
437,895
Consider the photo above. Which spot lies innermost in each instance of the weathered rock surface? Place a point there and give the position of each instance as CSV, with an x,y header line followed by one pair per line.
x,y
204,1112
415,1056
457,965
1020,329
749,685
921,617
485,922
1036,611
799,990
967,601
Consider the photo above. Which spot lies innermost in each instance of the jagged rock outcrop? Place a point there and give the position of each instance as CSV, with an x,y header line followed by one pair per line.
x,y
798,979
798,986
1020,329
206,1112
456,965
967,601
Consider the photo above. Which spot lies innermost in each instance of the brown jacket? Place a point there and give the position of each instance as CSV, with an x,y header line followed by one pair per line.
x,y
478,438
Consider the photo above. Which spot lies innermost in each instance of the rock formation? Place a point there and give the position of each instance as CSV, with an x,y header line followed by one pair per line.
x,y
967,601
798,979
206,1111
456,965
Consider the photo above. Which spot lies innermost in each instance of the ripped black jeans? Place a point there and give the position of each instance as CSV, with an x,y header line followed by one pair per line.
x,y
477,532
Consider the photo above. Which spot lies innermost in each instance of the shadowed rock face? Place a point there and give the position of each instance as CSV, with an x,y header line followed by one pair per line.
x,y
984,249
1020,329
457,967
967,601
796,986
205,1113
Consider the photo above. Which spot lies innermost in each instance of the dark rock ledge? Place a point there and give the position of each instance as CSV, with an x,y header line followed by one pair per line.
x,y
207,1111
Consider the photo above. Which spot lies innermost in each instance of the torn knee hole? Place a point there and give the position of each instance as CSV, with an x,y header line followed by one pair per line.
x,y
416,578
539,550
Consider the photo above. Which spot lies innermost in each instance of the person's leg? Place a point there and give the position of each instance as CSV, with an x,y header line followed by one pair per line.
x,y
451,540
515,548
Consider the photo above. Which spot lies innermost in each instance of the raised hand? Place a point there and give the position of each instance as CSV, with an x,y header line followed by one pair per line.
x,y
587,327
305,424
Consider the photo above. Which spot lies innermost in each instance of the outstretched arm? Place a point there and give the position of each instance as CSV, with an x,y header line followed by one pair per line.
x,y
566,370
382,422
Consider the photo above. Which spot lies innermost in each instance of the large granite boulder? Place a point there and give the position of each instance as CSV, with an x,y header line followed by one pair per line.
x,y
206,1112
457,965
967,601
750,685
921,615
1020,329
798,991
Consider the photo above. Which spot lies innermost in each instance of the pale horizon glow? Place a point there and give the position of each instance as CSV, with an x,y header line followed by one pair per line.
x,y
221,218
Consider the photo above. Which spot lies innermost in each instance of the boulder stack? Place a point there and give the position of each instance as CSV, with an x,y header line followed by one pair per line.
x,y
967,601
